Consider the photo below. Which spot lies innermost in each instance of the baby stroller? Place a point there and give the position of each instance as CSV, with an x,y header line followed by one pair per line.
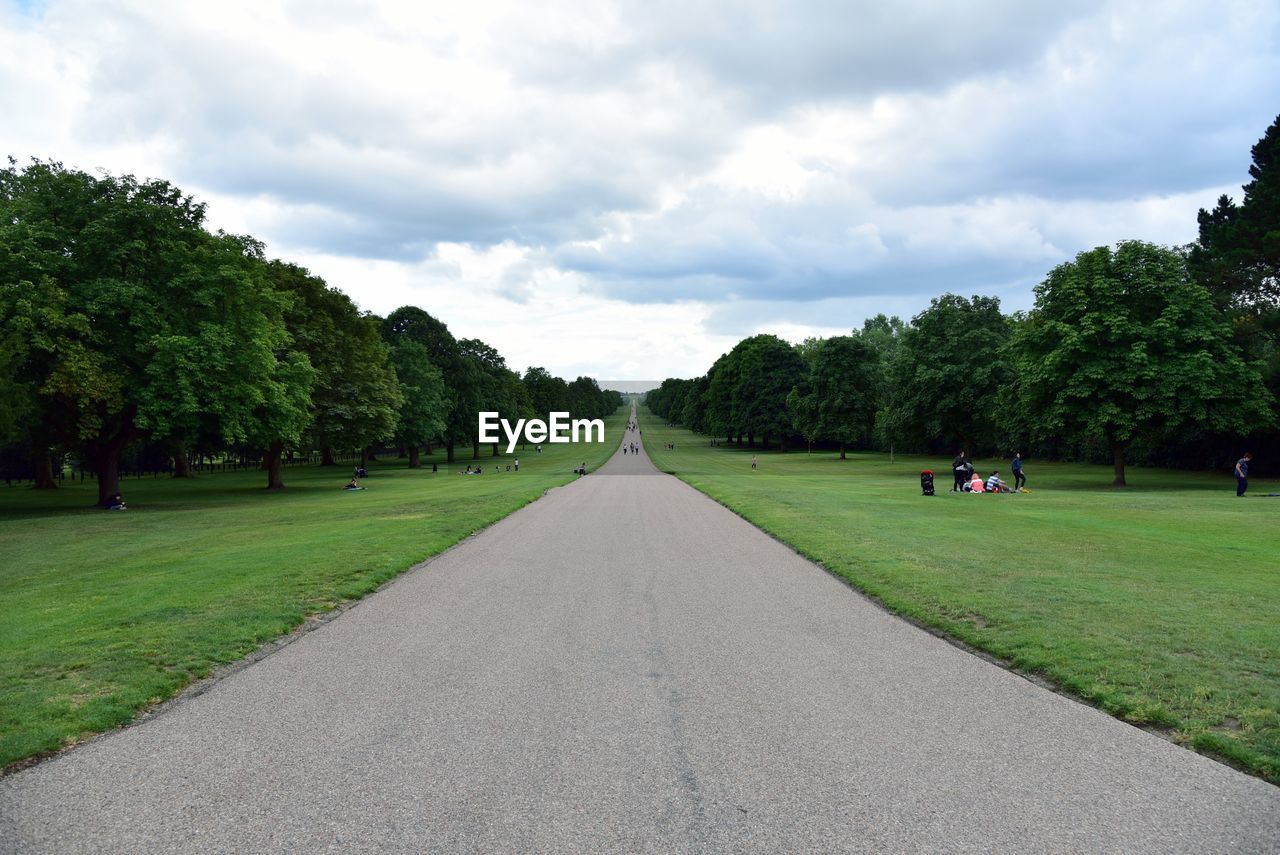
x,y
926,482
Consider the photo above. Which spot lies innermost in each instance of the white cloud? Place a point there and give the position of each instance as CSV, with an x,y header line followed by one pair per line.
x,y
628,187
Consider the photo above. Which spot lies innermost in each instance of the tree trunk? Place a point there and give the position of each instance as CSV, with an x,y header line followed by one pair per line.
x,y
271,462
364,457
475,451
108,463
44,480
428,449
326,457
751,440
1117,462
448,451
496,453
414,461
181,464
842,457
107,456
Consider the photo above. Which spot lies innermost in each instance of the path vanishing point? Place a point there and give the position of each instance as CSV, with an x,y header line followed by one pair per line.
x,y
627,666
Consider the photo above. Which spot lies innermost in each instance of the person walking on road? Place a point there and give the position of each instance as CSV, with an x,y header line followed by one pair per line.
x,y
1018,478
1242,473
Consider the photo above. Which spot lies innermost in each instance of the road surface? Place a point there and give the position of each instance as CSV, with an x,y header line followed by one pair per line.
x,y
625,665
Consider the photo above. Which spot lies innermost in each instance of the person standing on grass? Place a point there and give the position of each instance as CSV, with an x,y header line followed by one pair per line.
x,y
1242,473
960,472
1018,478
753,461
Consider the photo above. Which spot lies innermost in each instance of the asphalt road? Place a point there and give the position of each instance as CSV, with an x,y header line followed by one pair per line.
x,y
627,666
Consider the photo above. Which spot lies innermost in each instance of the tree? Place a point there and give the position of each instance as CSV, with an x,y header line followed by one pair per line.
x,y
883,335
1237,256
548,394
1123,345
843,377
492,387
426,403
414,324
802,409
355,399
723,380
139,323
948,374
769,369
693,411
588,400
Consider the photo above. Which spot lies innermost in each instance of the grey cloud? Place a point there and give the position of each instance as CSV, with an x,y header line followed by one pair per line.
x,y
955,105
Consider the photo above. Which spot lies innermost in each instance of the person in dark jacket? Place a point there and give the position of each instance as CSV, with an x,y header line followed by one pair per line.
x,y
960,470
1242,473
1019,480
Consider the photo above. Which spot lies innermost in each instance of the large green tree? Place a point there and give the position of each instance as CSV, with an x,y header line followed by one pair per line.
x,y
721,415
843,377
138,323
547,392
460,374
769,368
1123,345
425,408
1237,257
355,399
883,335
948,374
492,387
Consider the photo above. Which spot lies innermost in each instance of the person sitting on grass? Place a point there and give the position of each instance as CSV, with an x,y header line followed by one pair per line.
x,y
996,485
353,484
975,484
114,503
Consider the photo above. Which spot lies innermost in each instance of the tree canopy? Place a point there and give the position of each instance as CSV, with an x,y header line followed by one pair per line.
x,y
1122,345
137,321
948,374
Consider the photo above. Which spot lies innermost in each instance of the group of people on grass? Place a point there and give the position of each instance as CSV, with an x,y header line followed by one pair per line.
x,y
967,479
479,470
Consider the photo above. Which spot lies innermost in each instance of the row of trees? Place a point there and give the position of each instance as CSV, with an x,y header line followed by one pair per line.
x,y
1173,351
123,320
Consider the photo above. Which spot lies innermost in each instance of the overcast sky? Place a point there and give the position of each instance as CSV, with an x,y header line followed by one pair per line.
x,y
625,190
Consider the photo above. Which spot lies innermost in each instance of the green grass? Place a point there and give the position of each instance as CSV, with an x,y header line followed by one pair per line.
x,y
103,614
1159,603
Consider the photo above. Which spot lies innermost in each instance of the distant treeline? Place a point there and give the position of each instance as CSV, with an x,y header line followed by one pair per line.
x,y
1137,352
129,332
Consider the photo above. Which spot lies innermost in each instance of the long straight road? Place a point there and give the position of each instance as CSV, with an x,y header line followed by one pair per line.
x,y
625,665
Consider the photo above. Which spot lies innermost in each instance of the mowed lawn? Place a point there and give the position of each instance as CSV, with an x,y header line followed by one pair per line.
x,y
1159,602
105,613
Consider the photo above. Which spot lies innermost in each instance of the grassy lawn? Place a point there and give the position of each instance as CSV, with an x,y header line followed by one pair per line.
x,y
1159,603
103,614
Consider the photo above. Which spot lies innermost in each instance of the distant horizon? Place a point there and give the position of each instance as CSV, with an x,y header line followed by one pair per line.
x,y
630,387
